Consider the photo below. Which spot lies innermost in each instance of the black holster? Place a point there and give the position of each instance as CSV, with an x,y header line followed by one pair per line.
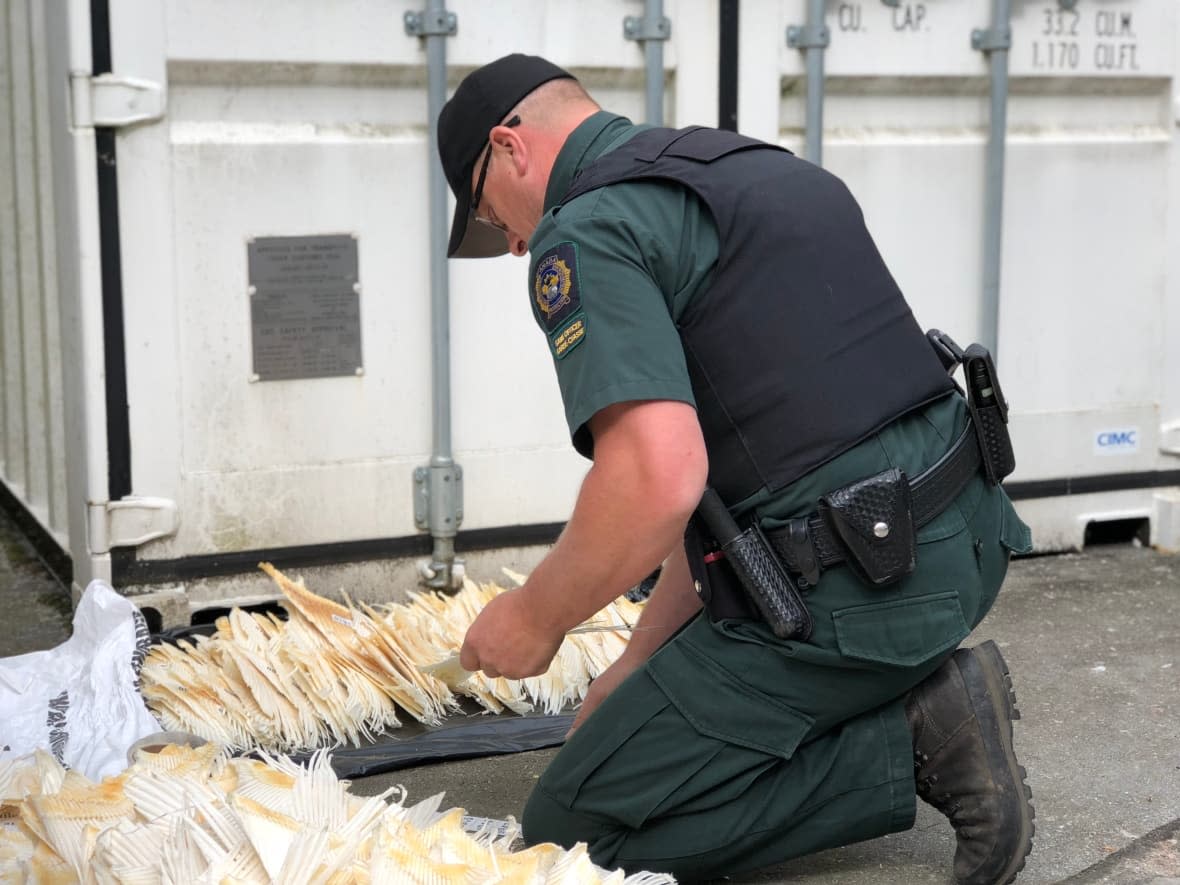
x,y
989,413
740,575
985,401
715,582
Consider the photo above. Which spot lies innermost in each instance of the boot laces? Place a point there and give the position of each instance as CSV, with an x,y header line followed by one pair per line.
x,y
925,788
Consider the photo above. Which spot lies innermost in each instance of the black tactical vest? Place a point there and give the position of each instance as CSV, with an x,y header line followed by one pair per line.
x,y
803,344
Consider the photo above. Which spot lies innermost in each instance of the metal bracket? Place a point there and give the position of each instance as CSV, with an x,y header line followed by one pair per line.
x,y
437,492
809,36
636,27
991,39
436,578
111,101
431,23
130,522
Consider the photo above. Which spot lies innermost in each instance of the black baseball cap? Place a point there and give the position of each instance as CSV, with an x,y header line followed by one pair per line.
x,y
481,102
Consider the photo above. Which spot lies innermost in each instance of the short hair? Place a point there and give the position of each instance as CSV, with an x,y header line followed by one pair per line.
x,y
547,102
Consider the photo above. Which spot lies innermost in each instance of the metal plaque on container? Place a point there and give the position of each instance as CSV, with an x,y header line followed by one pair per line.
x,y
305,311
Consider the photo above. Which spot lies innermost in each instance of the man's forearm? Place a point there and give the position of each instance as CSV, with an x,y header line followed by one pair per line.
x,y
648,474
614,539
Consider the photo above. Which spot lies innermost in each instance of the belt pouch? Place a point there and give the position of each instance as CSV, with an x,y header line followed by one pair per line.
x,y
873,518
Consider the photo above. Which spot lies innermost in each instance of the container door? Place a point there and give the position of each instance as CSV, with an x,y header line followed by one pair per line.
x,y
32,434
274,280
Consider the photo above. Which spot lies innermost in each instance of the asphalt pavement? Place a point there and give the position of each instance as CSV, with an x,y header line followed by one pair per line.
x,y
1093,643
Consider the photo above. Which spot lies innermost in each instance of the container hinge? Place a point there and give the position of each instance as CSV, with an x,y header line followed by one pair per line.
x,y
438,498
809,36
991,39
431,23
642,29
112,101
130,522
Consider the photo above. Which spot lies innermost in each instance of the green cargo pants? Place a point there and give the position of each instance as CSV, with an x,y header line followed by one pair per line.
x,y
731,750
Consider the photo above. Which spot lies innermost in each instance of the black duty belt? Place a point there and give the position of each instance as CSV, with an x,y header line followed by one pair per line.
x,y
807,544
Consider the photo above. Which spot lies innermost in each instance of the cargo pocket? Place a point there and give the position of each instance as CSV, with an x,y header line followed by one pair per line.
x,y
716,740
681,736
901,632
719,705
608,746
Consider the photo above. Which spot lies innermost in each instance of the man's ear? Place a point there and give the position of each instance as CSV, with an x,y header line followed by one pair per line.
x,y
508,137
504,137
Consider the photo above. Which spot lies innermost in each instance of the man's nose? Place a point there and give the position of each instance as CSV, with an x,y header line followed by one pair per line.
x,y
516,245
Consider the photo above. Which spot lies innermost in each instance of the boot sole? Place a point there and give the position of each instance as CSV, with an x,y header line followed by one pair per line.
x,y
989,685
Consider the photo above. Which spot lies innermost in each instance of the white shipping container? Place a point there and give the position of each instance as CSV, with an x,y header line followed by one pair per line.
x,y
1089,312
154,435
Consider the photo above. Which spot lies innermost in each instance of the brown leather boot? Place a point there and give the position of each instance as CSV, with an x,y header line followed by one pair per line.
x,y
961,721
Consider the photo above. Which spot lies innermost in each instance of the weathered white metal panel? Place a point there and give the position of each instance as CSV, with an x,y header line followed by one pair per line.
x,y
278,119
56,510
11,411
30,337
1087,288
1089,278
1166,523
283,119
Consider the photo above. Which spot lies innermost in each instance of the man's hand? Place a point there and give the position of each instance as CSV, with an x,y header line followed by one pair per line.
x,y
506,640
650,466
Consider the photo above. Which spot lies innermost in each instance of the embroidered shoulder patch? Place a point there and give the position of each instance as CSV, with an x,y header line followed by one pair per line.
x,y
555,285
569,336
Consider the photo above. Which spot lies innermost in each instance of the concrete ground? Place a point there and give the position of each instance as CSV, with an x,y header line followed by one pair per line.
x,y
1093,642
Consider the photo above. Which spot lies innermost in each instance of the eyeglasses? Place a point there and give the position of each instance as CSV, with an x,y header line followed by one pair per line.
x,y
477,194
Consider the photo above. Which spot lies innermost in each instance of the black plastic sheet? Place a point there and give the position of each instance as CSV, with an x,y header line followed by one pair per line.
x,y
470,739
472,736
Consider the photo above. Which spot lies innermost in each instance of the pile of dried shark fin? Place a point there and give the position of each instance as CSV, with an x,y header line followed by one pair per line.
x,y
337,674
184,816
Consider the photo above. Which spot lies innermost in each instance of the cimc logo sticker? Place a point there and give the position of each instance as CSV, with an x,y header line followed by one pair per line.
x,y
1119,441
